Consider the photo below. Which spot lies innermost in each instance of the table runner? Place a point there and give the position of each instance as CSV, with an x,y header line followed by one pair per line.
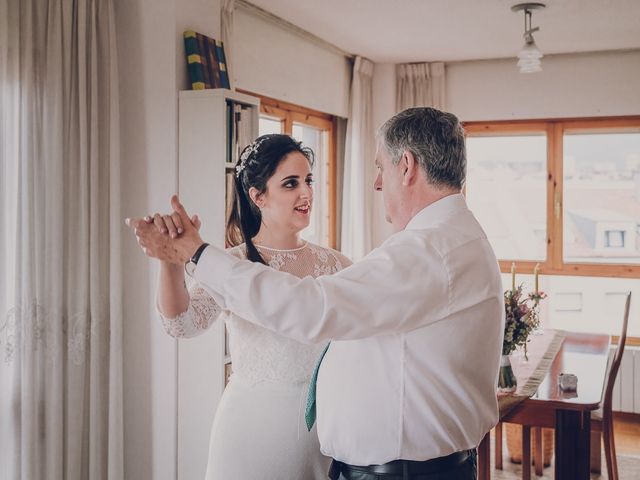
x,y
542,350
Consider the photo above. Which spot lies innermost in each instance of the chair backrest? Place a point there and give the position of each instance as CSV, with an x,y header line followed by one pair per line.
x,y
614,365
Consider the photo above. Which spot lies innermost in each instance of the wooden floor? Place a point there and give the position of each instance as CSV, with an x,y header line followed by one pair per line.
x,y
627,432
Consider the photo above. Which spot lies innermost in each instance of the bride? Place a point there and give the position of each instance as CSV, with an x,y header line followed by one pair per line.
x,y
259,429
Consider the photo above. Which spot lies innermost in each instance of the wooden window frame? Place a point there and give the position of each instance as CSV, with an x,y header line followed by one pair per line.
x,y
554,129
288,114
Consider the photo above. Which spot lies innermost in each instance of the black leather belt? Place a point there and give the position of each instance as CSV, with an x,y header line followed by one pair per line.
x,y
405,467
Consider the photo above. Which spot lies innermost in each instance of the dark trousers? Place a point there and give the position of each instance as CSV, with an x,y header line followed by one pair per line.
x,y
467,470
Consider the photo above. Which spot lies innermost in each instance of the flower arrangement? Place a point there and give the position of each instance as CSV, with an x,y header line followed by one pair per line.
x,y
521,319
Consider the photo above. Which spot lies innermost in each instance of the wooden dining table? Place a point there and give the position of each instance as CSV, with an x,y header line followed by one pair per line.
x,y
569,413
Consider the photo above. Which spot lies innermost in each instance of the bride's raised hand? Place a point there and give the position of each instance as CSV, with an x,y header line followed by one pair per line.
x,y
177,250
171,224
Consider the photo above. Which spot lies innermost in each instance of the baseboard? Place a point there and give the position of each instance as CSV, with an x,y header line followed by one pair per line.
x,y
627,417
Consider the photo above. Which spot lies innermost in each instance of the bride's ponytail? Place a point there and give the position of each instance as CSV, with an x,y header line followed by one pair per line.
x,y
244,222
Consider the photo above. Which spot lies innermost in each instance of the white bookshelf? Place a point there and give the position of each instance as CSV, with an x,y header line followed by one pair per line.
x,y
203,162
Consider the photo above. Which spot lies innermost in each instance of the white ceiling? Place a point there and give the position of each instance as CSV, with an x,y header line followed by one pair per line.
x,y
395,31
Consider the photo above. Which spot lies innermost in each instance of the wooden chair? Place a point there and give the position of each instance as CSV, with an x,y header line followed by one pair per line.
x,y
601,422
602,419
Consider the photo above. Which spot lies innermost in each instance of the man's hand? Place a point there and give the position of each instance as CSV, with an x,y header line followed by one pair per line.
x,y
159,245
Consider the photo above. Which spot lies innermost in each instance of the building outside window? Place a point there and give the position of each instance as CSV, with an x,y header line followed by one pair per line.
x,y
614,238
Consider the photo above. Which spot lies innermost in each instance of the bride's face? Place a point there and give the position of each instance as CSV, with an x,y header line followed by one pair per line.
x,y
286,204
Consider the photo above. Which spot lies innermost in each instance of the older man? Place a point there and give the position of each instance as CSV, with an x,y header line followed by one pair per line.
x,y
407,386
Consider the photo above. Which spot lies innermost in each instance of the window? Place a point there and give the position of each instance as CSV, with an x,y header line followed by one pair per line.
x,y
318,140
601,176
614,239
575,182
268,124
316,131
564,194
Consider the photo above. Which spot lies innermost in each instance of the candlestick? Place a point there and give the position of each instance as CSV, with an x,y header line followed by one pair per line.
x,y
535,274
513,276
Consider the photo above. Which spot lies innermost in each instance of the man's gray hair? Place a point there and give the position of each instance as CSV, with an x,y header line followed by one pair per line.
x,y
436,140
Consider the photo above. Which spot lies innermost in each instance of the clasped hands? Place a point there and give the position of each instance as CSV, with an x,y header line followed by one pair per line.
x,y
170,238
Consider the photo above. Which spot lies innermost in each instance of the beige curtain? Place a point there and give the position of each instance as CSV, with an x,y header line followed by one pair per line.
x,y
60,221
359,166
420,85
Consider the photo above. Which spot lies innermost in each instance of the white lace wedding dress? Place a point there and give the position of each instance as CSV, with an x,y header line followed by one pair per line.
x,y
259,431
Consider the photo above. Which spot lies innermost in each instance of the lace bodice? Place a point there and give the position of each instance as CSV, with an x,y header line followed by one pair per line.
x,y
257,353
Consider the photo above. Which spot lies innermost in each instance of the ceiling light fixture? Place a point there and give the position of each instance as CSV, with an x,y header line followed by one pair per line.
x,y
530,55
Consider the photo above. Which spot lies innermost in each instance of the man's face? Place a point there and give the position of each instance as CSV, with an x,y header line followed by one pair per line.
x,y
389,182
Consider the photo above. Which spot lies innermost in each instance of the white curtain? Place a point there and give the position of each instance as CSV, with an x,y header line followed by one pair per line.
x,y
359,167
420,85
227,8
60,223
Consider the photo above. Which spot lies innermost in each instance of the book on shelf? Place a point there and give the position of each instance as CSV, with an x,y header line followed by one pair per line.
x,y
239,129
206,62
237,111
222,64
244,127
230,158
230,185
226,341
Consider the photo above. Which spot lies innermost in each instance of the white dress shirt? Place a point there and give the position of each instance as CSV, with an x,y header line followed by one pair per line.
x,y
416,329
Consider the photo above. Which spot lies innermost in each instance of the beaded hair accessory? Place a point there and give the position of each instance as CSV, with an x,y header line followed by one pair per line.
x,y
250,150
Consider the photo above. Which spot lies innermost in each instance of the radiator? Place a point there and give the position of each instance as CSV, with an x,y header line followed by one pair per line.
x,y
626,392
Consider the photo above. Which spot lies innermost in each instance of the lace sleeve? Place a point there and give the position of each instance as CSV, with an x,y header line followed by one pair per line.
x,y
201,313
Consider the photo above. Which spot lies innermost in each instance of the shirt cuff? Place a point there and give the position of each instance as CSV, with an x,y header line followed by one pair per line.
x,y
214,269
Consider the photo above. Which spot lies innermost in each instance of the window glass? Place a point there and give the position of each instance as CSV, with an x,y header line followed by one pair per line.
x,y
602,198
318,229
269,125
506,190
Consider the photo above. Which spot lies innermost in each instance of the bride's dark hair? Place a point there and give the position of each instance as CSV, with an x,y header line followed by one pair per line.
x,y
256,165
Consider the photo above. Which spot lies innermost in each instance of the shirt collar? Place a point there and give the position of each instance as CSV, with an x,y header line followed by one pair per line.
x,y
436,211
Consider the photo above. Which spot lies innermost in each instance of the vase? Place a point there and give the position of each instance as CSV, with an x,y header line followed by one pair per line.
x,y
507,382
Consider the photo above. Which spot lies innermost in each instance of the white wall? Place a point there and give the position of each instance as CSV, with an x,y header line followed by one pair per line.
x,y
584,85
276,62
152,70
